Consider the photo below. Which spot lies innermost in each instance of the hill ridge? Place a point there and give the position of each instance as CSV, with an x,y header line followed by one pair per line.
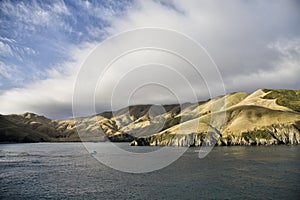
x,y
245,116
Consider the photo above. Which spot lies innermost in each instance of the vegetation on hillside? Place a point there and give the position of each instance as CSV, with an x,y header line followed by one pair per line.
x,y
287,98
257,134
297,125
171,122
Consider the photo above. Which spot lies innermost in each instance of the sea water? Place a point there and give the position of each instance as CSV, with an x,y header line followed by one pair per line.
x,y
69,171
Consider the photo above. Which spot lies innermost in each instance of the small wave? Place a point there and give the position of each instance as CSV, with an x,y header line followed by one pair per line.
x,y
24,154
13,154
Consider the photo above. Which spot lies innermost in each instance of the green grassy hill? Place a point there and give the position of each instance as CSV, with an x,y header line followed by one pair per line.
x,y
287,98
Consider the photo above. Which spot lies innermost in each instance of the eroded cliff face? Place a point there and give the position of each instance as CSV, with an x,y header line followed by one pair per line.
x,y
271,135
254,119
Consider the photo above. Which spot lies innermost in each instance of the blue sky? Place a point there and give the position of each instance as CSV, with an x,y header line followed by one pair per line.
x,y
37,35
255,44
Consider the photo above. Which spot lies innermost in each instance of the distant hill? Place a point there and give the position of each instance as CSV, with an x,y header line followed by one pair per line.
x,y
30,127
263,117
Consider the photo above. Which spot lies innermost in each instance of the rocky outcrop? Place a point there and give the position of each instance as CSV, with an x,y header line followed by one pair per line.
x,y
140,142
121,138
272,135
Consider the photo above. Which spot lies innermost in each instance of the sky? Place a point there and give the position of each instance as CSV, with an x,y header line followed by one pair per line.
x,y
44,44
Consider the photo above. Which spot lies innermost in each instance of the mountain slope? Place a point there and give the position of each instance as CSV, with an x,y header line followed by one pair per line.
x,y
263,117
11,132
247,120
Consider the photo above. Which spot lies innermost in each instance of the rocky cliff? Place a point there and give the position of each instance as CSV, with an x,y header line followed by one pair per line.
x,y
269,135
264,117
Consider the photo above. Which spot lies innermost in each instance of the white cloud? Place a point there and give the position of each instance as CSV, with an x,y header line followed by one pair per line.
x,y
32,14
241,36
51,96
11,49
5,49
287,47
95,32
60,8
283,73
7,71
237,34
5,39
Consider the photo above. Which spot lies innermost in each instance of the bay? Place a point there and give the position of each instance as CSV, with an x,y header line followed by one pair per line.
x,y
69,171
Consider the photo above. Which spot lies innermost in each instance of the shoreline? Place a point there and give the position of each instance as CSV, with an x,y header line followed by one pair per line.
x,y
129,144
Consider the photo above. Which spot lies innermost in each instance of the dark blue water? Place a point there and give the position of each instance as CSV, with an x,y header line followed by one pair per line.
x,y
68,171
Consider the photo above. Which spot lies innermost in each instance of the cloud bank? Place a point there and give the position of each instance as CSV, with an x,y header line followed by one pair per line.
x,y
255,44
